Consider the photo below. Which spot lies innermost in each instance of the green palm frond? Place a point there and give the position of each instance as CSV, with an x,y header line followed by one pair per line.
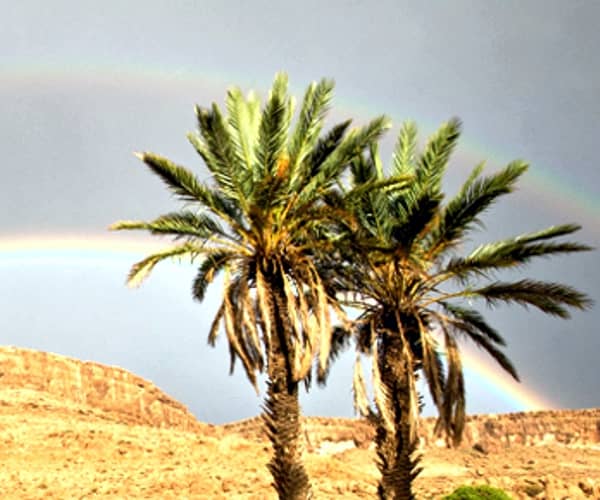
x,y
310,121
412,223
375,186
274,126
363,170
185,224
350,147
324,147
477,194
404,156
244,124
508,253
185,184
549,233
215,146
140,271
551,298
484,343
474,320
434,158
179,179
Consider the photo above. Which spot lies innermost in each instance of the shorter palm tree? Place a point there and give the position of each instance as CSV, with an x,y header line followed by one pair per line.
x,y
403,270
261,223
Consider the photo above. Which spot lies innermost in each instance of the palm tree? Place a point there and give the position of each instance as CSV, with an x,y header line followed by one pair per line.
x,y
404,272
261,223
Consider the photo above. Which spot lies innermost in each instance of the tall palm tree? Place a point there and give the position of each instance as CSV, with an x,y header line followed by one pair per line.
x,y
261,223
404,272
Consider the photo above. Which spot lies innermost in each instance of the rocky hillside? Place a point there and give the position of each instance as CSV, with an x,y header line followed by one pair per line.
x,y
487,432
116,394
71,429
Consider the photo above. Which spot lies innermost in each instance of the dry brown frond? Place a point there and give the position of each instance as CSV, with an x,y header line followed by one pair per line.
x,y
324,324
214,327
381,398
233,335
264,306
359,389
292,308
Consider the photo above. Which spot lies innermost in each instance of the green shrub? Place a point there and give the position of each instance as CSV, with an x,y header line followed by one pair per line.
x,y
482,492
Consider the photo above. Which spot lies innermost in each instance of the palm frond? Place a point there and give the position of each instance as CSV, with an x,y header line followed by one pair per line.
x,y
551,298
310,121
244,123
363,170
420,215
382,395
454,402
474,320
508,253
434,158
185,224
350,147
340,342
213,333
359,391
377,186
179,179
185,184
210,267
432,366
403,158
477,194
325,146
484,343
222,160
274,125
143,268
238,346
549,233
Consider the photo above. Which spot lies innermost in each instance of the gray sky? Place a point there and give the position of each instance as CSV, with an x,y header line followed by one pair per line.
x,y
83,85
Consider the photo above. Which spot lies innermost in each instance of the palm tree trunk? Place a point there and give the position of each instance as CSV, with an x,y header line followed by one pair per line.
x,y
395,448
282,408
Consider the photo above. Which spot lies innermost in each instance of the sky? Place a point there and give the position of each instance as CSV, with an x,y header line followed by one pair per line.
x,y
84,85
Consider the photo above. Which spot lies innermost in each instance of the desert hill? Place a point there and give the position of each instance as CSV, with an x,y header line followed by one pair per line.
x,y
73,429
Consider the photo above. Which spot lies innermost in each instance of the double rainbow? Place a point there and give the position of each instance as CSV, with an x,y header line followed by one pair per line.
x,y
549,189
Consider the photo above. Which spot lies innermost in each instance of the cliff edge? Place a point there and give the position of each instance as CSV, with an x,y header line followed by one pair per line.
x,y
39,378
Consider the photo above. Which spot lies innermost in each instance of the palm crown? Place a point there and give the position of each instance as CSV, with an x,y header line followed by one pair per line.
x,y
262,217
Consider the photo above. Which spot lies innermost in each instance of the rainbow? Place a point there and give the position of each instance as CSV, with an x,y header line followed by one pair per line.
x,y
91,249
23,247
556,193
501,384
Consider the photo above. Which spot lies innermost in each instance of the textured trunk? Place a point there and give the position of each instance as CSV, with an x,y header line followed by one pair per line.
x,y
282,408
395,449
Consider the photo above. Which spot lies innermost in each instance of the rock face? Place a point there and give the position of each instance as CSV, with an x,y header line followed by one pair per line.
x,y
566,427
486,432
118,394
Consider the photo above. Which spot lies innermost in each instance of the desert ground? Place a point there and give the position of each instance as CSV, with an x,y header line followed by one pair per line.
x,y
56,446
55,450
